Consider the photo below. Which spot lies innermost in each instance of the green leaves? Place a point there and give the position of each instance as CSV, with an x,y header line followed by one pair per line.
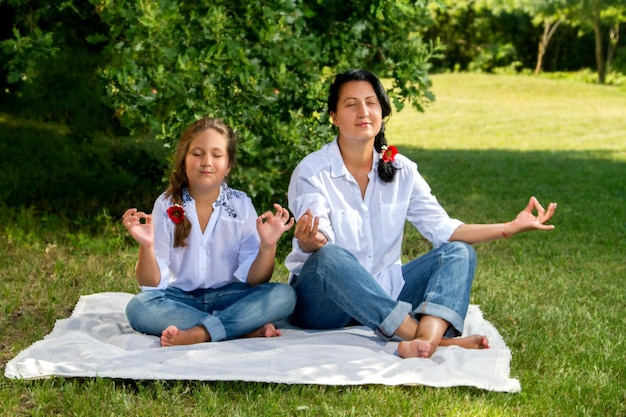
x,y
27,52
262,66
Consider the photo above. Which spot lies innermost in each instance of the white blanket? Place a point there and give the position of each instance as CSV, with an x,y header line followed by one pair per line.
x,y
97,341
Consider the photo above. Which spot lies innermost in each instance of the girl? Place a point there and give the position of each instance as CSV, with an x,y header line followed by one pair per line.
x,y
352,199
205,258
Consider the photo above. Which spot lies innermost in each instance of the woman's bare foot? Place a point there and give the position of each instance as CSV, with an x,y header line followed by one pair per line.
x,y
415,349
173,336
475,341
269,330
421,349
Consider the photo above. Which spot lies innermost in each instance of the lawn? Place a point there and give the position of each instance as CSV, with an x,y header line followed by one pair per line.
x,y
485,145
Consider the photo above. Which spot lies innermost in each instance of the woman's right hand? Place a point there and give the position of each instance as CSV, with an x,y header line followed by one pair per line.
x,y
143,233
309,238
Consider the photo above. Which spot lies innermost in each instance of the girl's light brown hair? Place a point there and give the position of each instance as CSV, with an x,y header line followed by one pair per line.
x,y
178,176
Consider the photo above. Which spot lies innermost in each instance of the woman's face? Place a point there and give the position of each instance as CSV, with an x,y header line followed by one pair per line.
x,y
359,113
207,162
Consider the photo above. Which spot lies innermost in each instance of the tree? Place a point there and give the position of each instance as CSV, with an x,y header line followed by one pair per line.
x,y
593,14
546,13
43,79
598,14
615,16
263,66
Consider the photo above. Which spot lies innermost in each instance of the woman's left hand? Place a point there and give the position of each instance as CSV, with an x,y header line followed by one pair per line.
x,y
526,220
271,226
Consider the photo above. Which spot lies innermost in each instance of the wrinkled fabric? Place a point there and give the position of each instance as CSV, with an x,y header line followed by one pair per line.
x,y
97,341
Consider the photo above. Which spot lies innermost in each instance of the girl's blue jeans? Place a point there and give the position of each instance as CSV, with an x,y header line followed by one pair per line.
x,y
333,289
227,313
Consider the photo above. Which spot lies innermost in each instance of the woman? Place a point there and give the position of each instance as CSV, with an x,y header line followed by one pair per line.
x,y
205,257
352,199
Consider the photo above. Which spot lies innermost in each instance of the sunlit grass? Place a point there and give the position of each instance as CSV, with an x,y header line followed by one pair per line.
x,y
481,111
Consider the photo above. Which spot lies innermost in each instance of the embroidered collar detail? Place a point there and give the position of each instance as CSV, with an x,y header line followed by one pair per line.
x,y
223,200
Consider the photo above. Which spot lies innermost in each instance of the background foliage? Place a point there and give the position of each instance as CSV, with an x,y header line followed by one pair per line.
x,y
119,74
263,66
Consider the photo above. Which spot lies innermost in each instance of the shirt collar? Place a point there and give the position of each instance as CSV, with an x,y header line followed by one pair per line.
x,y
337,167
221,198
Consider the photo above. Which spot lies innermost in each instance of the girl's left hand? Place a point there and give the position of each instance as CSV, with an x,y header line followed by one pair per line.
x,y
271,226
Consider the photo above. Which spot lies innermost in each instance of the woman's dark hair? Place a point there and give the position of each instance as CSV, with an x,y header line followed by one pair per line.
x,y
386,170
178,176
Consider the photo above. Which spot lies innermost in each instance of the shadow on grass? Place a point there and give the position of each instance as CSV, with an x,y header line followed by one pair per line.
x,y
43,168
494,185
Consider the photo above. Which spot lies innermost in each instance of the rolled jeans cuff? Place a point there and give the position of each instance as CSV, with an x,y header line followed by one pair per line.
x,y
388,327
215,328
456,322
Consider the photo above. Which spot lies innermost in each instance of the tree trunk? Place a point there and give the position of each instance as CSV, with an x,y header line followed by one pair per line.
x,y
598,37
540,53
613,40
548,30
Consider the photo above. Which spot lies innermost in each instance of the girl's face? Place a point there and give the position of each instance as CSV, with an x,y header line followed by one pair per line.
x,y
207,162
359,113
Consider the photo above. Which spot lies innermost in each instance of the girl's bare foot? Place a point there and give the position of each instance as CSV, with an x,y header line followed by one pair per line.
x,y
475,341
269,330
415,349
173,336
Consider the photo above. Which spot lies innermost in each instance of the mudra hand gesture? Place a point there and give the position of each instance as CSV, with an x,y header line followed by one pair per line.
x,y
143,233
307,234
526,220
271,226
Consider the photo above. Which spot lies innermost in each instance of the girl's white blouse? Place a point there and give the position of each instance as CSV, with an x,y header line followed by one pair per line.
x,y
219,256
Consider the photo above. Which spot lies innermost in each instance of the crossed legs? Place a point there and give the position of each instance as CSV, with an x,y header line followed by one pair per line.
x,y
333,288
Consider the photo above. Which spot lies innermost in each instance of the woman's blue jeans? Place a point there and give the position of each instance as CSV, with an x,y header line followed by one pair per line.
x,y
333,289
227,313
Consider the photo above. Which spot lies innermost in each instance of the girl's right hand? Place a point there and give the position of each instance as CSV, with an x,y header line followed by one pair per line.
x,y
143,233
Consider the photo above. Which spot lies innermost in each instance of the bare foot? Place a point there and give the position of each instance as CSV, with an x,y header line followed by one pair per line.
x,y
474,341
173,336
415,349
269,330
422,349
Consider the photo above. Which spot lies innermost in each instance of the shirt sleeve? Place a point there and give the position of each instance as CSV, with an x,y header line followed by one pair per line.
x,y
250,241
306,191
163,237
425,212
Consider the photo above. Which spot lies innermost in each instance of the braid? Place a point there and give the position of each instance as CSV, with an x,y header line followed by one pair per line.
x,y
386,170
183,229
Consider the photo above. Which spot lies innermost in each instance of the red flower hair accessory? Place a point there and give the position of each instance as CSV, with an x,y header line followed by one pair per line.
x,y
176,213
388,153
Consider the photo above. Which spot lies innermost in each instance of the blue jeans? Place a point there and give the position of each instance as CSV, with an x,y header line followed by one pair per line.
x,y
333,289
227,313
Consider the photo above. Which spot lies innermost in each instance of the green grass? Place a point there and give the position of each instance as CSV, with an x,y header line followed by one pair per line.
x,y
485,146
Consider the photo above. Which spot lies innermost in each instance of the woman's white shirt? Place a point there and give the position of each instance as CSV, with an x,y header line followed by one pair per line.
x,y
372,227
221,255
